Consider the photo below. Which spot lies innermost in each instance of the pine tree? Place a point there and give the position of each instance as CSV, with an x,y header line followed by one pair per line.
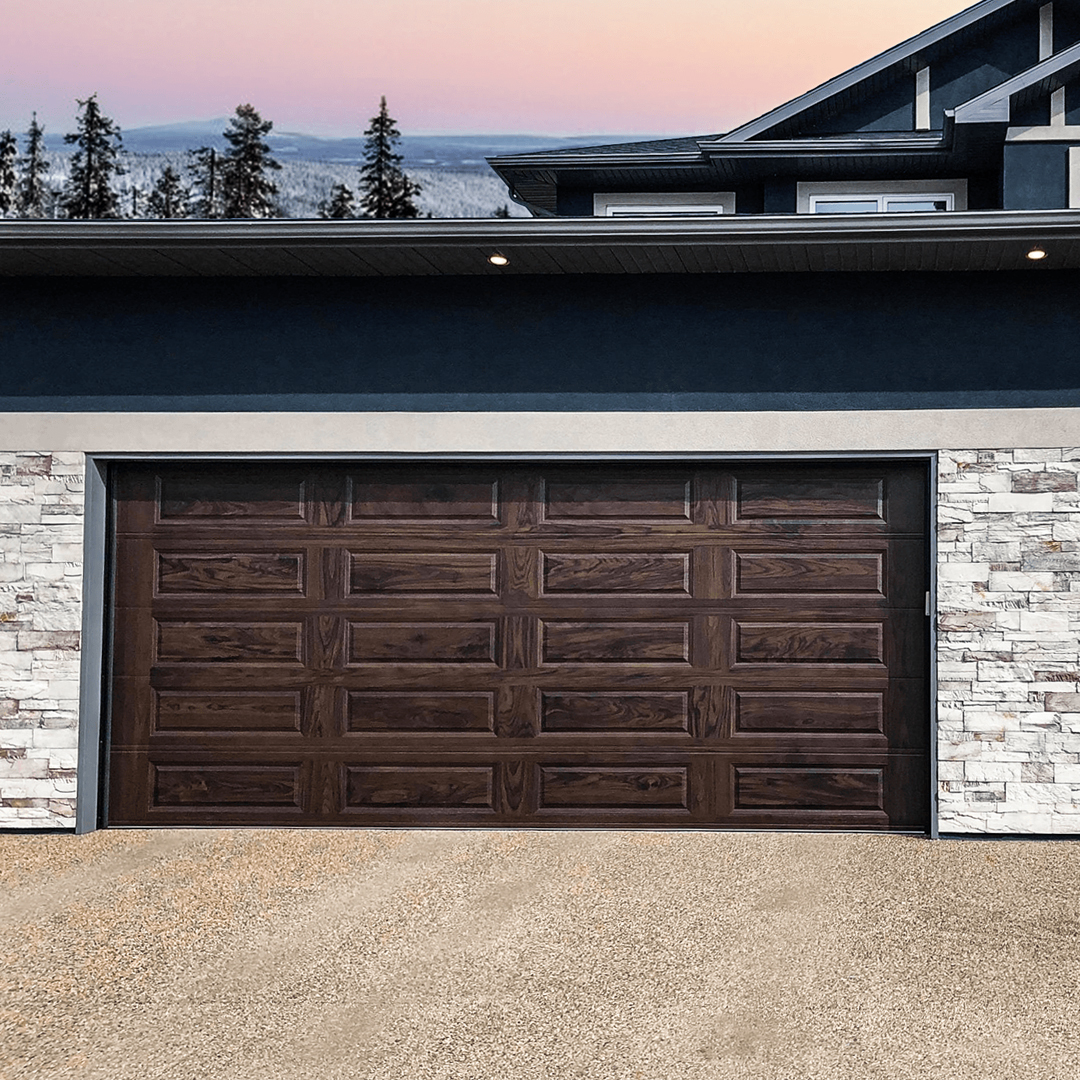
x,y
9,178
89,193
386,191
169,198
205,168
33,193
246,192
341,204
502,211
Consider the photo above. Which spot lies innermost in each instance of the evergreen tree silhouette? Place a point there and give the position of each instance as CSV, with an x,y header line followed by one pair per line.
x,y
9,178
341,204
205,169
32,190
246,192
169,198
386,192
89,192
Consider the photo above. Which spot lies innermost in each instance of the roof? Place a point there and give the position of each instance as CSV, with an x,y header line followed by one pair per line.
x,y
959,241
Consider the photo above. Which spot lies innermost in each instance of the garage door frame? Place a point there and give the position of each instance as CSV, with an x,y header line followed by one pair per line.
x,y
93,760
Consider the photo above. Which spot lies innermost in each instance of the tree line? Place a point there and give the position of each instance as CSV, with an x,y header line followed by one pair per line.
x,y
233,183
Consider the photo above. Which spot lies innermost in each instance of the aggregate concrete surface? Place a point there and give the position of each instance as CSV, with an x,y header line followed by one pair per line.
x,y
495,955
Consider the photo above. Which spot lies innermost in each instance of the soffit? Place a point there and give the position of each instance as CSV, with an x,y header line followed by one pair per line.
x,y
977,240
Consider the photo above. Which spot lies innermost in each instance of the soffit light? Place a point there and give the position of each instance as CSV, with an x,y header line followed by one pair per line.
x,y
497,259
1036,253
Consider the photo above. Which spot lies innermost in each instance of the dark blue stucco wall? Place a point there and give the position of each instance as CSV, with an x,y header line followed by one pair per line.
x,y
746,341
1036,176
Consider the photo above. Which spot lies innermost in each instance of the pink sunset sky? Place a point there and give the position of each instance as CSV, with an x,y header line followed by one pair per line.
x,y
560,67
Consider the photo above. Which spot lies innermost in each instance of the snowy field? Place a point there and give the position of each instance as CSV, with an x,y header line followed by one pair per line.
x,y
302,185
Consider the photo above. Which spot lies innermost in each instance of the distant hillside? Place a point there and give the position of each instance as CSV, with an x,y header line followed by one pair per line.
x,y
460,153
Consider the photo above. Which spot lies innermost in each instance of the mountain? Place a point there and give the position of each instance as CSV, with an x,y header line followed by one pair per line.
x,y
459,153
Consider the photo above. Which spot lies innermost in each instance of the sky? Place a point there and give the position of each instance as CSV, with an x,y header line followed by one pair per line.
x,y
543,67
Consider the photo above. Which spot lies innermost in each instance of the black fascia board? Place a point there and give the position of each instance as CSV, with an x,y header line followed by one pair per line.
x,y
900,56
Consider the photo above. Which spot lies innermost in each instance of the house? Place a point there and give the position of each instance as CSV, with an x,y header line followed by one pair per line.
x,y
736,490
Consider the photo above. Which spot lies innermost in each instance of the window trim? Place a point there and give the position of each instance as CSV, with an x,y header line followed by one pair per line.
x,y
661,203
846,190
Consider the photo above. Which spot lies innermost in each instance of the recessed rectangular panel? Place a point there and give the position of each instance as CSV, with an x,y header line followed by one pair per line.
x,y
801,712
779,499
613,787
402,710
422,643
626,499
809,643
429,572
619,573
407,786
238,495
233,574
434,499
614,711
224,643
226,710
781,572
238,785
832,787
621,642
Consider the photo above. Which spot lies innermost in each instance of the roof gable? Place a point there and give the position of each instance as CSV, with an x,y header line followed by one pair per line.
x,y
969,53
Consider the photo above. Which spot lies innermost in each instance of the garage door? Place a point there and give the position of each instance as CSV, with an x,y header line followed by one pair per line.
x,y
520,645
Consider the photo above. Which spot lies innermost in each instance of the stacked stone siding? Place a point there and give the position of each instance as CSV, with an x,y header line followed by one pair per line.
x,y
41,507
1008,636
1008,653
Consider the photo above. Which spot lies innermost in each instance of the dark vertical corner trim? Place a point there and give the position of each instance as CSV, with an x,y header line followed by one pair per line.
x,y
931,585
91,664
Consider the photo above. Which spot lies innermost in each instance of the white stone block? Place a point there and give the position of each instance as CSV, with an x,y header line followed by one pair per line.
x,y
1050,622
1014,503
56,738
1041,821
950,770
963,571
1027,795
1065,824
1067,774
1015,581
989,771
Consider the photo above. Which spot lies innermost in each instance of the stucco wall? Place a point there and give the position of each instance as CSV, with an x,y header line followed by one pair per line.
x,y
41,531
1008,652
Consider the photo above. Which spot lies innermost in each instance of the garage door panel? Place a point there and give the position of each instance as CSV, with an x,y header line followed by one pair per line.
x,y
424,573
658,642
450,711
429,495
606,711
202,712
536,645
231,494
238,573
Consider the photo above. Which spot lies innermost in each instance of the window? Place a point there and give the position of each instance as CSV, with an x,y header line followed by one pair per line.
x,y
663,204
879,204
882,197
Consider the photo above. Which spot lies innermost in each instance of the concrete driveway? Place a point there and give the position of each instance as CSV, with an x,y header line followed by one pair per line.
x,y
257,955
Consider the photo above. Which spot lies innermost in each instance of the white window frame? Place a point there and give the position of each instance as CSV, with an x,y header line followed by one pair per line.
x,y
663,203
809,194
1074,177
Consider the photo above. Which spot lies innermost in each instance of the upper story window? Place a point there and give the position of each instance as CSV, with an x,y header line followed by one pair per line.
x,y
663,204
888,197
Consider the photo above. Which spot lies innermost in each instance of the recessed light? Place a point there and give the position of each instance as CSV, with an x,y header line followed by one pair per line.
x,y
498,260
1036,253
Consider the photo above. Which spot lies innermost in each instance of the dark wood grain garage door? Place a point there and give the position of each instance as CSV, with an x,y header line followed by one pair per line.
x,y
522,644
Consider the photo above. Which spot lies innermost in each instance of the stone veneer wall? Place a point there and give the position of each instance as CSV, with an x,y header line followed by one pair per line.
x,y
1008,652
41,508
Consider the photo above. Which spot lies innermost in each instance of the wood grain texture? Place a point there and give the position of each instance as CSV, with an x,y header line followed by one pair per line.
x,y
239,573
429,572
617,573
519,645
628,642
